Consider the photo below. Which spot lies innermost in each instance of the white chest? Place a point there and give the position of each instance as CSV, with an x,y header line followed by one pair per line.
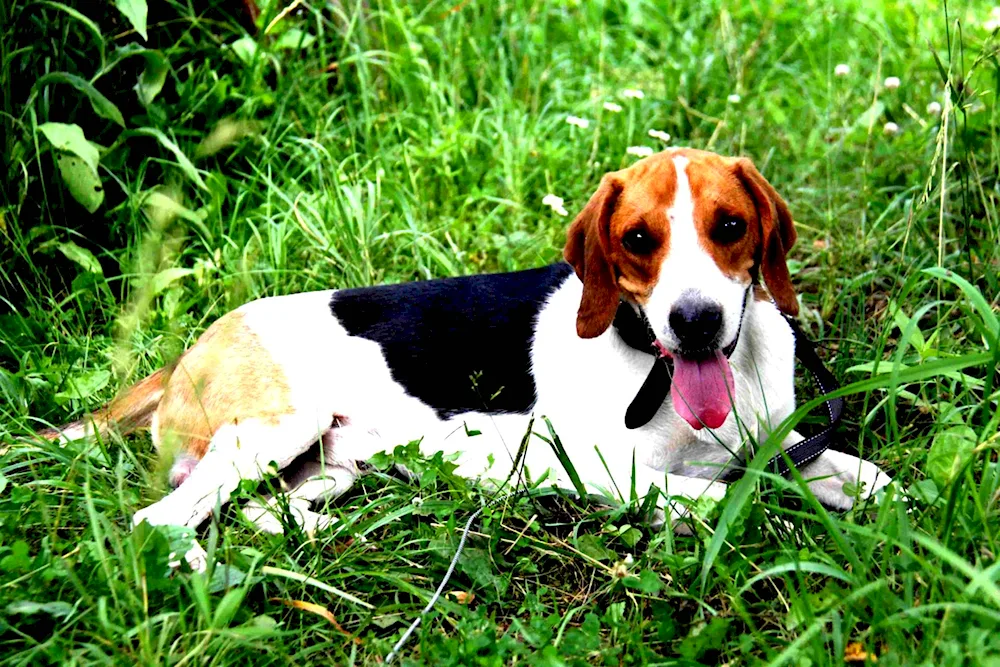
x,y
585,386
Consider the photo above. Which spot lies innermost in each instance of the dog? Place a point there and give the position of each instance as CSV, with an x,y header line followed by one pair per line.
x,y
690,244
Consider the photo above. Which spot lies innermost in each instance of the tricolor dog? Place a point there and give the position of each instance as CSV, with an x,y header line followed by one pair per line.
x,y
684,241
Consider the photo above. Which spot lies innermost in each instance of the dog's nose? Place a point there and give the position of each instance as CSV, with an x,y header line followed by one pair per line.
x,y
696,322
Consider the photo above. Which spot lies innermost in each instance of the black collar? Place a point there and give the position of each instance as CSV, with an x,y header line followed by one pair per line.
x,y
634,329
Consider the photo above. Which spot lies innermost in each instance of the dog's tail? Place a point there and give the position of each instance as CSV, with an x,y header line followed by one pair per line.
x,y
131,410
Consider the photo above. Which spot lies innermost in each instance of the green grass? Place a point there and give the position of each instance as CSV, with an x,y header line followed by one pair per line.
x,y
389,141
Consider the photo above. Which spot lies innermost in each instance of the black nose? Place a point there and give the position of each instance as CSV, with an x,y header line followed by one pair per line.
x,y
696,323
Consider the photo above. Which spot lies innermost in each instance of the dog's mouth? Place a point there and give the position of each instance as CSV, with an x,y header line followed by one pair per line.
x,y
702,388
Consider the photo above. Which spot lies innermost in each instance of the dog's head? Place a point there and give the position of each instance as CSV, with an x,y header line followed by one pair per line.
x,y
683,234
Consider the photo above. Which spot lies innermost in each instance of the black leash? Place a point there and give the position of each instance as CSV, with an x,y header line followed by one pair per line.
x,y
635,331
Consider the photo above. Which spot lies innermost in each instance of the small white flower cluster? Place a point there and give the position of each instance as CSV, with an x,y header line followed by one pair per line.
x,y
612,107
576,121
891,129
555,203
633,93
841,70
993,22
639,151
934,109
734,99
661,135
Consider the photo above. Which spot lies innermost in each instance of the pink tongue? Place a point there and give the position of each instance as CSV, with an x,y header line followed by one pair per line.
x,y
701,390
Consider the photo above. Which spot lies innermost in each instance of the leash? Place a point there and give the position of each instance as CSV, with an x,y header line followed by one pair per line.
x,y
812,447
635,331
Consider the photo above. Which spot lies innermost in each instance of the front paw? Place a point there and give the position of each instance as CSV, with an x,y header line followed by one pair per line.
x,y
158,514
196,557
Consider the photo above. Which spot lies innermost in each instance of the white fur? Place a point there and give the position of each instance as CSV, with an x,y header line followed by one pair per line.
x,y
584,387
686,258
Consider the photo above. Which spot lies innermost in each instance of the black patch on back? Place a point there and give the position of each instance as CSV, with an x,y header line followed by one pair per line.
x,y
457,344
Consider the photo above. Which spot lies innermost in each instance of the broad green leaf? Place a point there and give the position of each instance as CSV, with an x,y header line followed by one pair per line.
x,y
103,107
84,385
82,181
590,545
950,450
153,76
135,11
182,160
80,256
294,39
225,577
68,137
164,278
244,48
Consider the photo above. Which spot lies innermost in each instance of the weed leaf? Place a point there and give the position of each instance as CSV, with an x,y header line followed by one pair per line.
x,y
70,138
135,11
83,182
103,107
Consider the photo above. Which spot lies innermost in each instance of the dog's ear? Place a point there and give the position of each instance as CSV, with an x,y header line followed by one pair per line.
x,y
777,235
587,244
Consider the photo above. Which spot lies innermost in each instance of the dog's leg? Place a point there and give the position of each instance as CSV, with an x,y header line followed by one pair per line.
x,y
236,452
832,470
320,479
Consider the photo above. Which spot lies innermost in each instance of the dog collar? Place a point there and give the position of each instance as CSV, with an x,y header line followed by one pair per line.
x,y
634,329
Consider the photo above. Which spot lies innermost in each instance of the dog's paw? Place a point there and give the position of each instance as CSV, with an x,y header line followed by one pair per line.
x,y
196,558
158,514
871,479
264,517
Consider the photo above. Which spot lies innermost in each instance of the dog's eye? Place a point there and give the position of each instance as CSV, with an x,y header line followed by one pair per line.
x,y
729,230
638,242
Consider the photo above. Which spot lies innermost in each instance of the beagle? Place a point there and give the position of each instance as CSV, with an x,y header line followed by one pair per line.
x,y
680,241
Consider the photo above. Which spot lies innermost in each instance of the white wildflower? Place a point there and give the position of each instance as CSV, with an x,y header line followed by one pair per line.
x,y
612,107
555,203
581,123
661,135
639,151
993,22
890,129
934,109
891,82
633,93
629,560
841,70
417,501
734,99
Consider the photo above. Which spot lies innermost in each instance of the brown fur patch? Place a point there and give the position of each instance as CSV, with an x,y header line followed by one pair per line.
x,y
637,198
131,410
227,377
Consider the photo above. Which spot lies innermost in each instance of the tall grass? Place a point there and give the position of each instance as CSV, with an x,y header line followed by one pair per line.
x,y
355,143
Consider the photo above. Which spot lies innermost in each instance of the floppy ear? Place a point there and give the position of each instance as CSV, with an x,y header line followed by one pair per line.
x,y
586,248
777,235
